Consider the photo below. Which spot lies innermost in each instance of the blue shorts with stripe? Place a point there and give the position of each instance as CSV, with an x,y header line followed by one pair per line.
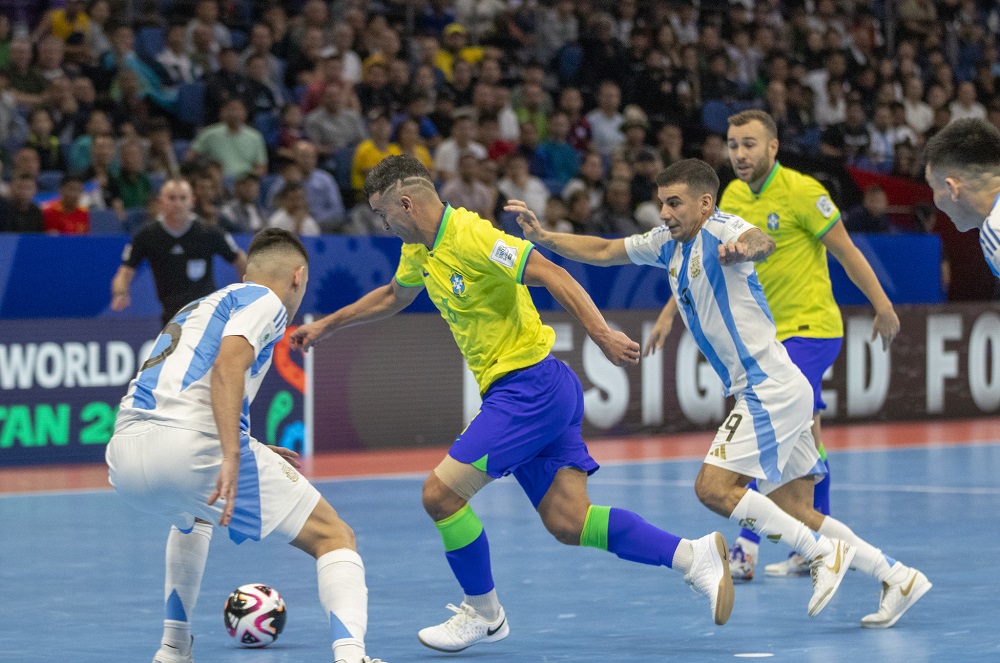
x,y
529,426
813,356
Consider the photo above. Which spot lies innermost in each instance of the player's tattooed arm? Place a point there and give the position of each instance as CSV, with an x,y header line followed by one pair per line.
x,y
752,246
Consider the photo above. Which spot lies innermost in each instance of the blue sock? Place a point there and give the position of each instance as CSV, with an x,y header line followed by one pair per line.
x,y
752,537
821,493
467,550
630,537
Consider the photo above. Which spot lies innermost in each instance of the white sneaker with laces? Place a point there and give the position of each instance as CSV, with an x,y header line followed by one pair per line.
x,y
827,573
795,565
366,659
743,559
709,575
897,599
463,630
170,654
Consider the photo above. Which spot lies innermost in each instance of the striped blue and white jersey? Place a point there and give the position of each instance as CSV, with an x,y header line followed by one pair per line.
x,y
989,238
172,386
723,306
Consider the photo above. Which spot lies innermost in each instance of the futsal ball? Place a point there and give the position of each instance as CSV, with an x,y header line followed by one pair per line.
x,y
255,615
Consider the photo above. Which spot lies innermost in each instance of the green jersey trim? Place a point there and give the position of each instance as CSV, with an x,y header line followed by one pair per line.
x,y
408,285
445,216
767,182
523,265
832,223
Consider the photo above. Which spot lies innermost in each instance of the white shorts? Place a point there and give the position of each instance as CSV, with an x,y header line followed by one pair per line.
x,y
768,435
172,472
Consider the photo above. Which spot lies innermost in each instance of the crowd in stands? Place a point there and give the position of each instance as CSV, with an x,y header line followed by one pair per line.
x,y
274,111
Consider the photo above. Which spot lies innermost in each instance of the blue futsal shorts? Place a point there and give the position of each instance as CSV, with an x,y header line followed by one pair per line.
x,y
813,356
528,426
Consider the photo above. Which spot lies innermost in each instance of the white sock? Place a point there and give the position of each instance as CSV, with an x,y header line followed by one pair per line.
x,y
759,514
869,559
186,558
344,596
683,556
487,605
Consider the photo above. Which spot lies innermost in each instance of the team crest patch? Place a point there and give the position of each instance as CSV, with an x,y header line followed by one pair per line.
x,y
503,254
457,284
772,221
825,206
696,265
290,472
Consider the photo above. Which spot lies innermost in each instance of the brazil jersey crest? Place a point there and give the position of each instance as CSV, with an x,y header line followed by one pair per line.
x,y
457,284
772,221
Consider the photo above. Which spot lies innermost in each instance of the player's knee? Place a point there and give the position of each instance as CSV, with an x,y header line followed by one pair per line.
x,y
565,527
438,499
708,492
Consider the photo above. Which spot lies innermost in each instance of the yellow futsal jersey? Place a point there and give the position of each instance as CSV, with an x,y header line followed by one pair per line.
x,y
474,275
796,211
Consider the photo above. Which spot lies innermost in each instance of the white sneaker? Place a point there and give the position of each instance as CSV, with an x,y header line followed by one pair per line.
x,y
743,559
463,630
897,599
366,659
827,573
170,654
708,574
795,565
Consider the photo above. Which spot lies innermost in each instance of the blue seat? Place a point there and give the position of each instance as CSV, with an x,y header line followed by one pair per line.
x,y
191,103
267,184
344,158
267,125
105,222
181,148
715,116
49,181
134,218
149,42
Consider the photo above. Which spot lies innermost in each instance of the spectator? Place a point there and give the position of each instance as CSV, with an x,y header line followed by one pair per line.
x,y
207,199
13,128
579,212
243,214
50,61
26,81
831,108
130,188
605,121
304,59
497,149
232,143
289,130
871,216
162,158
27,162
713,152
66,215
460,85
207,17
461,140
329,69
635,127
19,213
226,83
532,108
519,184
332,126
965,105
646,167
263,97
98,124
97,41
326,205
373,90
902,132
616,216
560,162
418,105
454,47
41,140
70,25
261,42
175,60
882,142
467,191
670,144
590,179
556,214
372,151
293,212
919,114
408,138
179,249
571,103
343,41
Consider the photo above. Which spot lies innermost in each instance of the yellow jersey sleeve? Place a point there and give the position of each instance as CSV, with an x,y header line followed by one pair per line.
x,y
499,254
816,212
410,272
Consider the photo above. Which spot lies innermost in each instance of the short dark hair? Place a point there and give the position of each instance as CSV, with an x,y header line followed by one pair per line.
x,y
747,116
970,146
698,175
393,170
272,238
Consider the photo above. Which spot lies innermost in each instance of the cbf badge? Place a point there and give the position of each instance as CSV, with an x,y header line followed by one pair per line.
x,y
772,221
457,284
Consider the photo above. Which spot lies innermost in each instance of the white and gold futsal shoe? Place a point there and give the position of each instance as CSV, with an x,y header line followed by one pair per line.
x,y
827,573
898,597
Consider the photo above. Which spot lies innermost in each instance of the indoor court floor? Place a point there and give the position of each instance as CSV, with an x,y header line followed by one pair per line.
x,y
82,573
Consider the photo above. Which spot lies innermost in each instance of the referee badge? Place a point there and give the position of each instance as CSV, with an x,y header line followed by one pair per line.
x,y
772,222
457,284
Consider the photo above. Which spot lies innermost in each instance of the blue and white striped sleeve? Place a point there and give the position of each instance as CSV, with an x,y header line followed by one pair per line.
x,y
260,322
647,249
989,239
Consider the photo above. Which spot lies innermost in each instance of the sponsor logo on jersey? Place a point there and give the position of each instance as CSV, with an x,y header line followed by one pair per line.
x,y
457,284
772,221
290,472
503,254
825,206
695,265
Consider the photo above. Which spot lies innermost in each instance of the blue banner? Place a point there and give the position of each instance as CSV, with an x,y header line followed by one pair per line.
x,y
70,277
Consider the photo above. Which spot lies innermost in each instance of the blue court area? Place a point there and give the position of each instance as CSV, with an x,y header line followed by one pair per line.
x,y
82,574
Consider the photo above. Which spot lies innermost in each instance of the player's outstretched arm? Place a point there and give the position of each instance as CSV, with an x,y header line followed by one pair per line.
x,y
380,303
839,243
752,246
235,357
616,346
120,285
581,248
661,329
